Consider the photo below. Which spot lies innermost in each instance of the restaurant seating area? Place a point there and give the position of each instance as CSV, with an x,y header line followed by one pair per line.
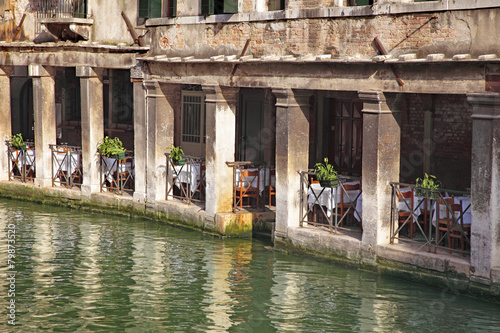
x,y
254,185
66,166
441,220
117,173
336,208
186,179
22,163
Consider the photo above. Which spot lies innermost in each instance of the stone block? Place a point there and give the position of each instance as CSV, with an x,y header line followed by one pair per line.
x,y
234,224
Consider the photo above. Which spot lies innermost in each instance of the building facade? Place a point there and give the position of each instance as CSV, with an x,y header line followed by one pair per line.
x,y
386,90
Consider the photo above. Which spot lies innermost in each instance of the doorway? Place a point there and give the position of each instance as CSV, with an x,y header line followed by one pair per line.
x,y
345,136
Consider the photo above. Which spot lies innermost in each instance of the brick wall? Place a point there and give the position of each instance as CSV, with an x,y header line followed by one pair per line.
x,y
336,36
452,139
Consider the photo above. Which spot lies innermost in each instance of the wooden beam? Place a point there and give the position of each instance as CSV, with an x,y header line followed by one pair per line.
x,y
382,50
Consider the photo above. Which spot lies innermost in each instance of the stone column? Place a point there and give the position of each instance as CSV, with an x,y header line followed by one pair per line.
x,y
292,155
485,187
381,156
5,124
45,121
92,126
140,138
220,106
160,101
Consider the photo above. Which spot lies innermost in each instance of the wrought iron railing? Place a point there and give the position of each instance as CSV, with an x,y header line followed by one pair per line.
x,y
336,208
66,165
58,9
186,179
438,218
117,173
21,162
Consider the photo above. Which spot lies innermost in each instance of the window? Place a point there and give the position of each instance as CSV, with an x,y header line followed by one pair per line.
x,y
149,8
193,135
210,7
275,5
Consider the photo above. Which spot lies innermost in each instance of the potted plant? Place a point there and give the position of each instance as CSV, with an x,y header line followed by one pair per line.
x,y
111,148
427,187
176,154
17,142
326,174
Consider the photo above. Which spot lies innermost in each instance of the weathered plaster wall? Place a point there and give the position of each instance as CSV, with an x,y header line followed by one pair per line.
x,y
452,32
109,26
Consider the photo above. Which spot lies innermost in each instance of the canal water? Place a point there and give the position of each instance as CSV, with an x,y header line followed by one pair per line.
x,y
82,272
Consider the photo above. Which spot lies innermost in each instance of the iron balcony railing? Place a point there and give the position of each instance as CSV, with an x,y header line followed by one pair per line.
x,y
66,165
117,174
186,179
335,208
439,218
21,162
250,180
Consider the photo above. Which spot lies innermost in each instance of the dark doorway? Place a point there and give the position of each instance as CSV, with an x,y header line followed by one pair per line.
x,y
345,136
23,122
250,124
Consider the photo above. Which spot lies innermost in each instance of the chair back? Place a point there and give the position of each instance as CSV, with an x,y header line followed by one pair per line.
x,y
407,196
446,202
248,178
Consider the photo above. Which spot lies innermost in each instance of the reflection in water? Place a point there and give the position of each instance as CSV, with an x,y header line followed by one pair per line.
x,y
86,272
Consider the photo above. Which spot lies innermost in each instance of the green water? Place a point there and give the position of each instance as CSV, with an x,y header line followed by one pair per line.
x,y
80,272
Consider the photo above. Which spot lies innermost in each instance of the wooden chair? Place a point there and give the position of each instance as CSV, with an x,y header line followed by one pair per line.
x,y
200,187
404,214
316,210
345,207
444,222
272,189
244,189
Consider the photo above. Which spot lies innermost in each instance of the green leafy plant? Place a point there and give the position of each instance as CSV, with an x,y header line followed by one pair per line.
x,y
16,141
176,153
326,173
109,147
427,186
428,182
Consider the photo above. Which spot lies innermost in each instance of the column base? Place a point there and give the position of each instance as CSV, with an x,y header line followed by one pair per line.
x,y
88,190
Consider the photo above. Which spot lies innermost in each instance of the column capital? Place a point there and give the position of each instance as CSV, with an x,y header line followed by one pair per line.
x,y
87,72
485,106
215,93
151,86
375,102
287,97
37,70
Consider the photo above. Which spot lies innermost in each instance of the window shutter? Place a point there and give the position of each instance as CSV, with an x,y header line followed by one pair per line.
x,y
155,8
172,8
207,7
143,8
230,6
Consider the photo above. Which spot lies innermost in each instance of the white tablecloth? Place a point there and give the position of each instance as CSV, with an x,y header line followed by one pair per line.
x,y
187,173
326,198
62,159
112,165
467,211
26,156
263,178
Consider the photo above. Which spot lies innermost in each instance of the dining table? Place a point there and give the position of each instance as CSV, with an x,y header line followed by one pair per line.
x,y
264,178
330,197
466,210
67,162
188,173
112,165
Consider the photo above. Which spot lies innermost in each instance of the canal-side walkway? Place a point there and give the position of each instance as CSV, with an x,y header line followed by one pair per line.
x,y
408,261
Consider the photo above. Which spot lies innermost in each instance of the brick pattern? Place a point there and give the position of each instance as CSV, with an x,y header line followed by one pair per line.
x,y
338,36
452,126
